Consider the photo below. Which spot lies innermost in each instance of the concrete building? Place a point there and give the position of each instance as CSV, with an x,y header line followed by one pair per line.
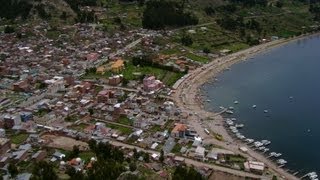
x,y
5,145
254,166
151,84
117,66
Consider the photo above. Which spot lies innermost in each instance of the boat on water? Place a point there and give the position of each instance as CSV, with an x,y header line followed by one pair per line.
x,y
257,144
239,125
231,108
272,154
281,161
221,107
236,102
266,142
266,149
254,106
277,155
265,111
230,123
229,112
262,148
233,119
249,141
208,100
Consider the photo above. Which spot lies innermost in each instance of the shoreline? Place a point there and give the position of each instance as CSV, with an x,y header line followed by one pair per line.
x,y
189,98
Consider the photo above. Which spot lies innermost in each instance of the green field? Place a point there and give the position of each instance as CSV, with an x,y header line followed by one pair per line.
x,y
19,138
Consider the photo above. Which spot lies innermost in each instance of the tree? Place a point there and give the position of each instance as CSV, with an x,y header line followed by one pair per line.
x,y
182,173
186,40
279,4
63,16
91,111
174,16
206,50
141,2
70,171
133,166
161,158
13,170
43,170
146,157
74,153
9,29
92,145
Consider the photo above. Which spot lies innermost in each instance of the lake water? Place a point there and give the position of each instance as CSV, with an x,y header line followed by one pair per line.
x,y
286,82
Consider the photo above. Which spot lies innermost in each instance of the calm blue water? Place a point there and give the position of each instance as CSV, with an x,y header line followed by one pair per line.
x,y
268,80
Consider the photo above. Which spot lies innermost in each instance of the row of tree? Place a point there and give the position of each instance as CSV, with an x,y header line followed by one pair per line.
x,y
147,60
12,9
160,14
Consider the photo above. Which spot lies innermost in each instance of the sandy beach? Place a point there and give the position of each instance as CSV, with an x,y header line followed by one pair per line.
x,y
188,98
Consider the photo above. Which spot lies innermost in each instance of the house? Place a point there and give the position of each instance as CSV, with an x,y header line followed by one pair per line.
x,y
254,166
57,156
151,84
117,66
21,86
92,56
5,145
103,95
179,131
2,133
169,145
101,70
19,155
199,153
39,156
24,176
115,80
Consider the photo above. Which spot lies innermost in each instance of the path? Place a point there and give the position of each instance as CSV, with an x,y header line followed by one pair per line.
x,y
193,162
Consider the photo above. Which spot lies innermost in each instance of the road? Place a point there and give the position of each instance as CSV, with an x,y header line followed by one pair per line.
x,y
193,162
114,123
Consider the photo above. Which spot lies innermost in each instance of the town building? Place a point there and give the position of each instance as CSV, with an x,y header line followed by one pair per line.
x,y
117,66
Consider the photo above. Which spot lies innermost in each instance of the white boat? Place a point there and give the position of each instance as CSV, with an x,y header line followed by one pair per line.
x,y
233,119
311,173
266,142
208,100
266,149
265,111
257,144
313,176
229,112
236,102
262,148
221,107
249,141
281,161
272,153
231,108
254,106
277,155
239,125
234,130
